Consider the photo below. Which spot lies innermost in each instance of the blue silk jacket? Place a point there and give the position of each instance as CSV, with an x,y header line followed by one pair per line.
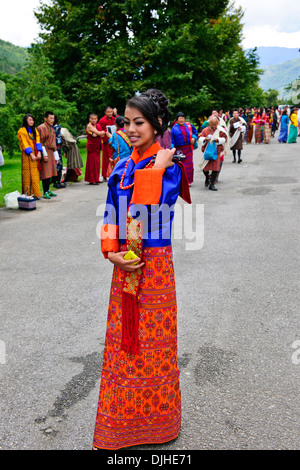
x,y
150,193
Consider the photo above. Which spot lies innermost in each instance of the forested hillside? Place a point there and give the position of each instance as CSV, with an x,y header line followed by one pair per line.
x,y
12,58
280,76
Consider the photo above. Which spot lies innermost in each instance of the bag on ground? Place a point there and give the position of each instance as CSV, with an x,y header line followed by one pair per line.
x,y
11,200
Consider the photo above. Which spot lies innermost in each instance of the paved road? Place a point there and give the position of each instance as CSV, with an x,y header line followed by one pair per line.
x,y
238,313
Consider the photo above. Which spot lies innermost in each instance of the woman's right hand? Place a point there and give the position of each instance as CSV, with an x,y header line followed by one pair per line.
x,y
164,158
126,265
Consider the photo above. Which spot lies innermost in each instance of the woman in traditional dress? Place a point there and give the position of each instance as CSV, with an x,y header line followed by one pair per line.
x,y
31,148
284,127
259,123
119,142
183,138
139,398
267,127
293,132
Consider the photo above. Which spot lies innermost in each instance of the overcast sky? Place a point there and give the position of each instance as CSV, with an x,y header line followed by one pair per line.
x,y
267,22
271,23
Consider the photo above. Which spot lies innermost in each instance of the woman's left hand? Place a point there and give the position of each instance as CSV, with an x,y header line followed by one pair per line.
x,y
164,158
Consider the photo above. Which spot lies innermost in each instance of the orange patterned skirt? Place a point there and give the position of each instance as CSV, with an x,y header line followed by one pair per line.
x,y
139,398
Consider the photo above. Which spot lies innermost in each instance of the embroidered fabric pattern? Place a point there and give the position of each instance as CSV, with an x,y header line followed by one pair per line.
x,y
140,399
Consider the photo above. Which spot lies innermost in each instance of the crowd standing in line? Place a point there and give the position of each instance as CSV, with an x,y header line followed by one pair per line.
x,y
42,146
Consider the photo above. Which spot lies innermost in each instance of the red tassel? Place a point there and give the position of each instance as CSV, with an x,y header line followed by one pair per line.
x,y
184,188
130,323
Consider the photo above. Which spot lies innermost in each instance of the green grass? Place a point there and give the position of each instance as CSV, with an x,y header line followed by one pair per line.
x,y
11,172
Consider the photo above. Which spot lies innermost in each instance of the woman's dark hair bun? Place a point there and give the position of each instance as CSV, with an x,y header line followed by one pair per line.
x,y
154,105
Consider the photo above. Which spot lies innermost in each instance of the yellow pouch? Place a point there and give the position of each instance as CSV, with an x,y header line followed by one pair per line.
x,y
131,255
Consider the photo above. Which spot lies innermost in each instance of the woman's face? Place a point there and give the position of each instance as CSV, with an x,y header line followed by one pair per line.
x,y
139,131
30,121
181,120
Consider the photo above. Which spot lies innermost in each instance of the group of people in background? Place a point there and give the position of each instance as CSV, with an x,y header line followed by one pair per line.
x,y
107,143
108,139
263,123
230,131
41,156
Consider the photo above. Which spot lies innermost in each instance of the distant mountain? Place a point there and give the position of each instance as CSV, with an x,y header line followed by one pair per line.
x,y
279,76
276,55
12,58
281,67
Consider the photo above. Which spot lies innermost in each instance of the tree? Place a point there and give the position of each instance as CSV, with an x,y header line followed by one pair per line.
x,y
34,90
271,98
294,90
190,49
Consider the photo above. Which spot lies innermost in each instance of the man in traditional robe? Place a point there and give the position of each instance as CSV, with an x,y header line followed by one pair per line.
x,y
107,152
93,161
48,163
217,133
237,128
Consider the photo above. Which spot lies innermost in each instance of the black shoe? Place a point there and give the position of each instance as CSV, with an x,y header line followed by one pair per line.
x,y
240,161
212,187
234,161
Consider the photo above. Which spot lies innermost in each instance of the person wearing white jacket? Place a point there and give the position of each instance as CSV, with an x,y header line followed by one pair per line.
x,y
237,128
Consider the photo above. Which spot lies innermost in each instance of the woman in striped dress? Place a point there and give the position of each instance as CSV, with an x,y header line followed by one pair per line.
x,y
259,123
267,127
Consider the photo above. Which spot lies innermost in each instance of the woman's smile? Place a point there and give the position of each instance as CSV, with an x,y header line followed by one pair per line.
x,y
133,138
